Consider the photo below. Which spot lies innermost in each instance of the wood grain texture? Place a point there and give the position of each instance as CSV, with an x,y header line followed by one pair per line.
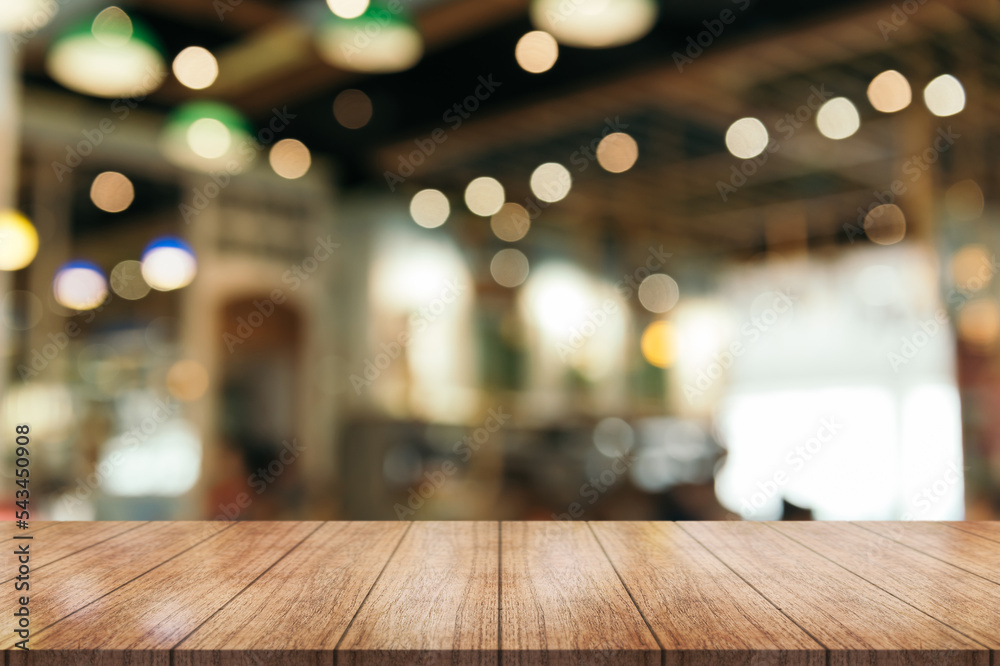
x,y
857,622
297,612
144,618
563,603
699,610
963,549
963,601
435,602
986,530
61,539
83,577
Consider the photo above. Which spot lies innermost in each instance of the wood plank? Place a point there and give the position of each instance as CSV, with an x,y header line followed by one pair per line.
x,y
61,539
79,579
140,621
436,602
298,611
696,606
963,601
563,603
981,528
962,549
857,622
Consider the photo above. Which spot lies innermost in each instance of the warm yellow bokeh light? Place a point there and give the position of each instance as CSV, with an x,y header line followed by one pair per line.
x,y
112,192
484,196
972,267
979,323
196,68
658,344
617,152
290,158
944,96
536,52
747,138
838,118
352,109
511,222
551,182
430,208
187,380
509,267
885,224
18,241
890,92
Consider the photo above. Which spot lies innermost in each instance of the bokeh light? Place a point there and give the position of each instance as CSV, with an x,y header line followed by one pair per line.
x,y
18,241
659,293
944,96
392,42
484,196
972,267
536,52
26,15
207,137
979,324
747,138
187,380
429,208
885,224
290,158
617,152
658,344
838,118
352,108
594,23
126,280
112,192
551,182
168,264
348,9
112,56
510,223
613,437
889,92
80,285
964,200
196,68
509,267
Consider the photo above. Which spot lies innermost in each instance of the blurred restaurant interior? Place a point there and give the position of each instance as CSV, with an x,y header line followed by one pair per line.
x,y
501,259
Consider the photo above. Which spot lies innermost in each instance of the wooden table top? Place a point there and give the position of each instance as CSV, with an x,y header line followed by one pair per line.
x,y
194,593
